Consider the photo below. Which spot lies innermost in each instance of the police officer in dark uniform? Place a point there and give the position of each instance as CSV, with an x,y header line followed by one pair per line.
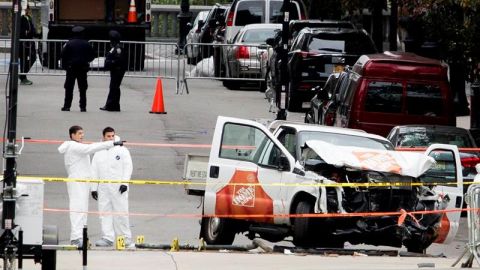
x,y
76,57
116,62
28,52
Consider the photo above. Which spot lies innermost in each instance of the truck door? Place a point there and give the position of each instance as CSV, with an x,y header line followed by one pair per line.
x,y
447,170
245,164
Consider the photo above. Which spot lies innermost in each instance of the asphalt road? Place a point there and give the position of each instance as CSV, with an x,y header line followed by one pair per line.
x,y
190,119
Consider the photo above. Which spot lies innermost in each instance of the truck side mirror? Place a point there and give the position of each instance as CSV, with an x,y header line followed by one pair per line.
x,y
284,164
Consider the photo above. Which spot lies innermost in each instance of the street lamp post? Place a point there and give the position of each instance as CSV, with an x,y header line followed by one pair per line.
x,y
8,242
282,92
184,18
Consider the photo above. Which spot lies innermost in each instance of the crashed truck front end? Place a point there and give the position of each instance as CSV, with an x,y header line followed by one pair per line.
x,y
376,186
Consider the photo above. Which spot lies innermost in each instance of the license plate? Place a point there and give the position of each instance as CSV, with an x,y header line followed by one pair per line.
x,y
338,68
305,104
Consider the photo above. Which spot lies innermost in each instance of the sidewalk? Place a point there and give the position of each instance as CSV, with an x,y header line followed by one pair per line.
x,y
127,260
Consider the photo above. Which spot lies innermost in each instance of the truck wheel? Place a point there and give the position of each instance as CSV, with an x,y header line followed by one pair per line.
x,y
216,231
304,228
49,257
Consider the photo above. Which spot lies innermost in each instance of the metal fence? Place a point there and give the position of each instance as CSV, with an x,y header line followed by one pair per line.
x,y
144,59
234,64
473,216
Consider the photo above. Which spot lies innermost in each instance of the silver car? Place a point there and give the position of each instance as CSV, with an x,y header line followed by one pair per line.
x,y
193,36
248,54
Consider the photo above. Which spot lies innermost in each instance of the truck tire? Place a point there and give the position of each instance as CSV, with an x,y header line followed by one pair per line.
x,y
217,231
304,228
49,257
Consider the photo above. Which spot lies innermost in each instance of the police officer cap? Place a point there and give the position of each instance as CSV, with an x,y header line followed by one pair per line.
x,y
78,29
114,35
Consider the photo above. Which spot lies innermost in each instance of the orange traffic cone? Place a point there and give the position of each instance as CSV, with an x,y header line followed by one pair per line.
x,y
157,105
132,12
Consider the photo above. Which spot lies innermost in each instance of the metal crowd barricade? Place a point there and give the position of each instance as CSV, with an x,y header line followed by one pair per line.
x,y
144,59
473,218
233,64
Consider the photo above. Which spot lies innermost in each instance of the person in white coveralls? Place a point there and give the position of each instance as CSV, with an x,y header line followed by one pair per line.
x,y
78,166
112,164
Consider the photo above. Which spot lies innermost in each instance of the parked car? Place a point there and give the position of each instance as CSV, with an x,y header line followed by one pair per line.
x,y
426,135
248,55
206,36
256,179
193,36
244,12
395,88
272,72
315,54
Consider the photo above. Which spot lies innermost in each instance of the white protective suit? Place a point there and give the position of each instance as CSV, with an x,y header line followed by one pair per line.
x,y
77,165
113,164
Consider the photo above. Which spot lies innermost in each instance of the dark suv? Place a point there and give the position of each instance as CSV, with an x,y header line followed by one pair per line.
x,y
316,53
272,76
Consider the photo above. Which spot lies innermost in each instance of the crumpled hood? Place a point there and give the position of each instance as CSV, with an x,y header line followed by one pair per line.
x,y
64,147
404,163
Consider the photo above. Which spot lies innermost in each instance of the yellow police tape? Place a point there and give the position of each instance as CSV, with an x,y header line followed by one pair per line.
x,y
173,182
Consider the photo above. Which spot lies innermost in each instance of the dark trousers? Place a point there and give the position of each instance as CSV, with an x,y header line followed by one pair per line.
x,y
28,56
79,74
113,99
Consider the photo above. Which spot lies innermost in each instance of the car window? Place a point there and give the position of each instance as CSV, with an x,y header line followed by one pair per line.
x,y
241,142
325,45
443,171
422,137
424,99
249,12
350,42
247,143
385,97
288,138
258,35
270,157
276,15
344,140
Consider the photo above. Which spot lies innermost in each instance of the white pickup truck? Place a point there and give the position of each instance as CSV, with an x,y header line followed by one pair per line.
x,y
258,177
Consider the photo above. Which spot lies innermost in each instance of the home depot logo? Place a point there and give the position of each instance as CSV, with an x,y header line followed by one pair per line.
x,y
244,196
378,161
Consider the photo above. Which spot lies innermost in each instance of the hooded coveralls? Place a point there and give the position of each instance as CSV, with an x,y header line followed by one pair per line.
x,y
77,165
113,164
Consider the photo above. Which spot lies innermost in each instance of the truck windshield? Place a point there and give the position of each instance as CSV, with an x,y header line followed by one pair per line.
x,y
344,140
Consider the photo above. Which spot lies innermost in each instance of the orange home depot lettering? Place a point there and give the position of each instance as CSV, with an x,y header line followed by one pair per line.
x,y
377,161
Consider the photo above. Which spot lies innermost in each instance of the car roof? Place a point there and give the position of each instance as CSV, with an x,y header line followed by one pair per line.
x,y
296,25
439,128
311,127
398,57
262,26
